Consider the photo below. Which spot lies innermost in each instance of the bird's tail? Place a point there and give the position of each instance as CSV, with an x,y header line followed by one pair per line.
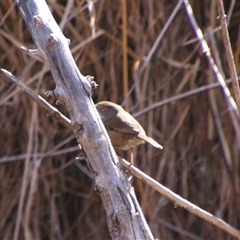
x,y
151,141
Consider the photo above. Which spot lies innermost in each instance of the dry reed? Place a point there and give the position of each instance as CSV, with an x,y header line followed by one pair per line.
x,y
59,201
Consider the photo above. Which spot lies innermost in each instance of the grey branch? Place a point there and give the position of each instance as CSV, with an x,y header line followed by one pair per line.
x,y
124,217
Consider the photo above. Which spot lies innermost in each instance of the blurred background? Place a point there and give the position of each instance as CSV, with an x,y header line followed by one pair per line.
x,y
46,194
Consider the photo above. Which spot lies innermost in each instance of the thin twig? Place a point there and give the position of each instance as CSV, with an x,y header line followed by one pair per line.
x,y
124,49
66,14
229,15
179,201
92,14
230,11
219,128
25,176
205,49
152,50
177,229
20,157
179,96
229,54
53,112
33,174
7,14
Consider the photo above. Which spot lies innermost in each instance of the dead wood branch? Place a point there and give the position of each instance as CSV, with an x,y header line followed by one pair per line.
x,y
125,219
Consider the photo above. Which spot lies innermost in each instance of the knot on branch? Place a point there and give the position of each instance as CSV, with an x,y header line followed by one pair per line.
x,y
93,84
37,20
100,190
78,129
57,93
86,85
52,42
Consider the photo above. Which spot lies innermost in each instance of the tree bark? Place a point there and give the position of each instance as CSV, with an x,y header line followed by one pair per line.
x,y
124,216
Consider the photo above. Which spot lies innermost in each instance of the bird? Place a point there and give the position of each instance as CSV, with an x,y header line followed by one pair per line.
x,y
124,131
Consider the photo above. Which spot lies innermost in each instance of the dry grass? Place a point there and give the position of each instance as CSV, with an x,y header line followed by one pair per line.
x,y
57,199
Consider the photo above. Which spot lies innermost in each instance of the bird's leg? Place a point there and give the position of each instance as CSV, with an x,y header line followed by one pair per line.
x,y
131,156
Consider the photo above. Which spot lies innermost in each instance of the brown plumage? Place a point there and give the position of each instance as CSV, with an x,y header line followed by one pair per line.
x,y
123,129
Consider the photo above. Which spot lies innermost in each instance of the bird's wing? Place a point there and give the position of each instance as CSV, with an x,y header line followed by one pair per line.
x,y
127,124
115,118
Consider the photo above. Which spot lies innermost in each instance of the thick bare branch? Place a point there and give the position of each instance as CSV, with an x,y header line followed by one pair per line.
x,y
125,220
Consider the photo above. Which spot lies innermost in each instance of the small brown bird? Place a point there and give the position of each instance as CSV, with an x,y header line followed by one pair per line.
x,y
123,129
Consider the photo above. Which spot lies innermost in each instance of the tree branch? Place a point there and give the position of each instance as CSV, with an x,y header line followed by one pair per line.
x,y
124,217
